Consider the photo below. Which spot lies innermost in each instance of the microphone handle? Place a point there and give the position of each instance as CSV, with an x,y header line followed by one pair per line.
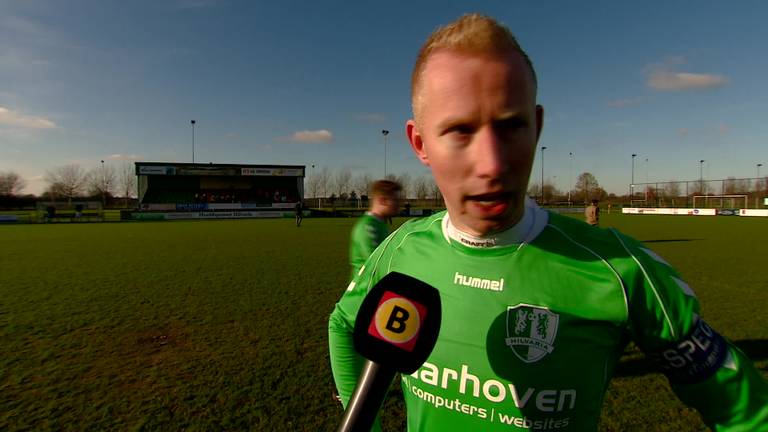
x,y
372,387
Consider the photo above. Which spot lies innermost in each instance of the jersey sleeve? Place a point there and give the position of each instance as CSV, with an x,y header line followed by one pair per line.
x,y
363,241
346,363
705,370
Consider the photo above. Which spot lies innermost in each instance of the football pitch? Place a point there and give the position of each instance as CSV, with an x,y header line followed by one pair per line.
x,y
222,325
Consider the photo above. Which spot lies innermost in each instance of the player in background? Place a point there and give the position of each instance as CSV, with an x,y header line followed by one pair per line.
x,y
592,213
299,208
537,308
371,229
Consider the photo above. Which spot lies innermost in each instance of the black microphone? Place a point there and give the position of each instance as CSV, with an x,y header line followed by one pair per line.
x,y
396,329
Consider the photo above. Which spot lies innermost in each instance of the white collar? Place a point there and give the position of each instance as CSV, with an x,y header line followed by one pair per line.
x,y
533,222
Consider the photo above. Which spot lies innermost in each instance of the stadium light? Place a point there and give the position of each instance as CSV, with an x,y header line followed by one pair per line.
x,y
542,174
385,133
193,141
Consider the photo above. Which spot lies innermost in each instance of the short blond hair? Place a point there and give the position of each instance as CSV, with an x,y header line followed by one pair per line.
x,y
470,34
385,188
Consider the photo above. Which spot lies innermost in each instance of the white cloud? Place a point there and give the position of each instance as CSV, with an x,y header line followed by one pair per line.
x,y
15,119
372,117
675,81
118,156
311,137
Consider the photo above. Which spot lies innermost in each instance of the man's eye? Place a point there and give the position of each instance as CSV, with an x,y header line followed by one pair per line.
x,y
460,130
511,124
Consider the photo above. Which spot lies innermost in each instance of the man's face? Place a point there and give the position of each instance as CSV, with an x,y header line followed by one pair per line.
x,y
477,130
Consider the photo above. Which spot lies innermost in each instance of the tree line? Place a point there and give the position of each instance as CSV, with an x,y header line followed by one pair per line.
x,y
586,189
108,181
68,182
343,185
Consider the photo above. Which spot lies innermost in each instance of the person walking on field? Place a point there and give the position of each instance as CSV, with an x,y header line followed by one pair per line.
x,y
592,213
299,213
371,229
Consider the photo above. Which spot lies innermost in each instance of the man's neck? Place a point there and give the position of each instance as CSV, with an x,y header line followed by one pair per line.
x,y
377,214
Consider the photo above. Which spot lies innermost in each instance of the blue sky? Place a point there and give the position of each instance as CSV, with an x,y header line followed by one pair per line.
x,y
315,83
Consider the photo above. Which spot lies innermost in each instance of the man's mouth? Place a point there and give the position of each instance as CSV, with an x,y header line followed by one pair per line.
x,y
489,198
490,204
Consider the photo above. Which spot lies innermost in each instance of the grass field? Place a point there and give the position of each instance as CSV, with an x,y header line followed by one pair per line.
x,y
221,325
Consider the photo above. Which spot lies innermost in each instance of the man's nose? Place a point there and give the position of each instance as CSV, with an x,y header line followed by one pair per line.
x,y
489,154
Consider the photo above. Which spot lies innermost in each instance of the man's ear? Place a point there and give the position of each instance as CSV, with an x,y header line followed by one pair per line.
x,y
539,121
417,144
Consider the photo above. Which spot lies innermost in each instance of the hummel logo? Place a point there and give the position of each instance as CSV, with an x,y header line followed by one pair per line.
x,y
488,284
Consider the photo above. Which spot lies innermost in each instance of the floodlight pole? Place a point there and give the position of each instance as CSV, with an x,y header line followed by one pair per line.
x,y
103,186
193,141
632,185
701,181
570,176
542,174
759,183
385,133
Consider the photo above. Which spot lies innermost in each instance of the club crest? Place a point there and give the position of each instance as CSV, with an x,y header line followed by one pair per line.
x,y
531,331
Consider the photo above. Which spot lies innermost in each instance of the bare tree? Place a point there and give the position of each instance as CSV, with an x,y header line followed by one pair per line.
x,y
53,191
421,188
672,190
734,185
101,180
67,181
313,185
362,184
534,190
341,181
127,180
587,187
323,181
434,191
550,191
405,183
404,180
11,183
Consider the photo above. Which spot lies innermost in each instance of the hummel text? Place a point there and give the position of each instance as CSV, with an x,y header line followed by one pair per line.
x,y
488,284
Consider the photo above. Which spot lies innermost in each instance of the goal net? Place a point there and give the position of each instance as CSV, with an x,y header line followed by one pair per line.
x,y
720,201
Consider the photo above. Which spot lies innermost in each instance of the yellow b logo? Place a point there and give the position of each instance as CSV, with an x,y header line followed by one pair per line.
x,y
397,320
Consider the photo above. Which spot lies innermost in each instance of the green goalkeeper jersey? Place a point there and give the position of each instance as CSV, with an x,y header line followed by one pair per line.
x,y
533,327
369,231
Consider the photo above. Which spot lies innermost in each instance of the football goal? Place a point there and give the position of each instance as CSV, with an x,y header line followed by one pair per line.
x,y
720,201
